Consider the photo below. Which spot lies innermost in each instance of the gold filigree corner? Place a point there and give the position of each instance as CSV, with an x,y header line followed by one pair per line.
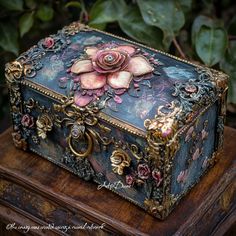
x,y
154,207
13,71
164,126
160,210
221,80
75,27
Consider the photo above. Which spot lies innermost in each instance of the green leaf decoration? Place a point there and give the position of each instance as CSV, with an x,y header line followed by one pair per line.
x,y
45,13
107,11
31,3
211,44
134,26
98,26
166,15
15,5
209,39
73,4
227,64
186,5
25,23
203,21
9,38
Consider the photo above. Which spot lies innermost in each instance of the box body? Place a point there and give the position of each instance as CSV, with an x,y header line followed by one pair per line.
x,y
135,120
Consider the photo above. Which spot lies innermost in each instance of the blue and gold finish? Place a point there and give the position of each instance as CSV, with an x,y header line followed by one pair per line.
x,y
118,113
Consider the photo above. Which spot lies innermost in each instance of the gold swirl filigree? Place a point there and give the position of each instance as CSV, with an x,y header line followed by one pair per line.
x,y
119,160
44,124
13,71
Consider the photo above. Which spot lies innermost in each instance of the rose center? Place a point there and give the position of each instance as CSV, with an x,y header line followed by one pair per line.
x,y
109,58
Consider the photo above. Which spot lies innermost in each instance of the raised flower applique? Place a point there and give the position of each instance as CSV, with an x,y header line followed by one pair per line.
x,y
108,66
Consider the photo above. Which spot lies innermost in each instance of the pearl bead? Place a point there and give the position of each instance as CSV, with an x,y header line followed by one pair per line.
x,y
109,58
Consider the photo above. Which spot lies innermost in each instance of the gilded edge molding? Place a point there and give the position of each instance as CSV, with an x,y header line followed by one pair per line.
x,y
13,72
164,131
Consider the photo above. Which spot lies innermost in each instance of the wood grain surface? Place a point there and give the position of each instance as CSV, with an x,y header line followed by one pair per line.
x,y
37,192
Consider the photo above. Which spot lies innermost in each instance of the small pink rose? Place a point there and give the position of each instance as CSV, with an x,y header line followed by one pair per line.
x,y
129,179
48,42
27,121
143,171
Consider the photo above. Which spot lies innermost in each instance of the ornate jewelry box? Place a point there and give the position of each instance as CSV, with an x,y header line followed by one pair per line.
x,y
138,121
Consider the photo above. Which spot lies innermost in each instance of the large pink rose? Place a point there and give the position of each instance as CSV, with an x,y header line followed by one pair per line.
x,y
108,66
108,61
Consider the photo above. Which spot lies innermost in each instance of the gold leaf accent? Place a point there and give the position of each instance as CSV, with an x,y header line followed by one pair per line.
x,y
13,71
44,124
119,159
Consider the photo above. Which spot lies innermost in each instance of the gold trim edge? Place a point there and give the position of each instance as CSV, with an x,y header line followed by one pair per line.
x,y
104,117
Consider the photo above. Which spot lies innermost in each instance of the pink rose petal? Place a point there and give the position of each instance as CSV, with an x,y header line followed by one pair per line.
x,y
118,99
91,51
92,80
139,66
182,177
82,66
127,48
196,154
120,79
82,100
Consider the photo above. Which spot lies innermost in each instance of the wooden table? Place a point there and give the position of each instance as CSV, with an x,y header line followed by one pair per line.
x,y
35,192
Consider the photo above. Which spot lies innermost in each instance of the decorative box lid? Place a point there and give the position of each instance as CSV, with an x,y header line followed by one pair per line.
x,y
130,82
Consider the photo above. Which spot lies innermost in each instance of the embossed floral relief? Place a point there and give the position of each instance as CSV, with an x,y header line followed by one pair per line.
x,y
143,174
195,136
108,68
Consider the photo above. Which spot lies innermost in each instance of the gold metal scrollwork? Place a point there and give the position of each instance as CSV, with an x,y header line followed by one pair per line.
x,y
44,124
13,71
81,120
119,160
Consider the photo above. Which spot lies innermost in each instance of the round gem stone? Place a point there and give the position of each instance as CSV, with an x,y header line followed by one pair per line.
x,y
109,58
77,131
